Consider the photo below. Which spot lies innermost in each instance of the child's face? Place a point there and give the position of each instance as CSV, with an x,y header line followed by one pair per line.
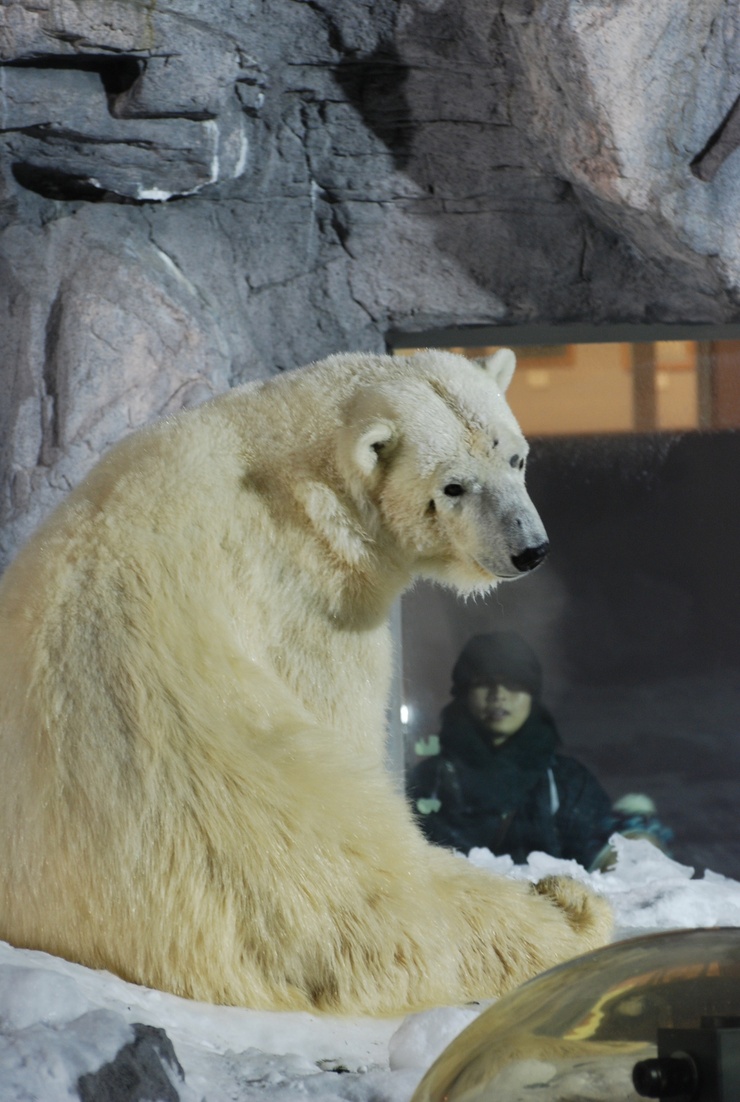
x,y
503,709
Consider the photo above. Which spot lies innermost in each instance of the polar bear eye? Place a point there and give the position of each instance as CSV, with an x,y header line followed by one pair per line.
x,y
454,489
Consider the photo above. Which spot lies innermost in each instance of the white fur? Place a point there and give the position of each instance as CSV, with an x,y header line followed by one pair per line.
x,y
195,663
501,365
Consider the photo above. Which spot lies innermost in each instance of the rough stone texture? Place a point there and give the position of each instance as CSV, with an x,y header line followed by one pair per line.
x,y
141,1071
196,195
630,101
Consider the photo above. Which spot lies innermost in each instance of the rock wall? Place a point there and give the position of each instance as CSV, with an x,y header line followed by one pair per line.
x,y
196,195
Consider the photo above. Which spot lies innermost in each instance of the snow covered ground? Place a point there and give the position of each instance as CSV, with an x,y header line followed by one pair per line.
x,y
62,1025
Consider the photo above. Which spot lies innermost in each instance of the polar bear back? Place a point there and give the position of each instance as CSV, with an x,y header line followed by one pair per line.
x,y
195,663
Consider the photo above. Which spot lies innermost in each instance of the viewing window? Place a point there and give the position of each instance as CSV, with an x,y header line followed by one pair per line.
x,y
635,615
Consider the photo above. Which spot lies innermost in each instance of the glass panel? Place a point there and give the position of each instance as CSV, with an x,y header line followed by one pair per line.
x,y
635,615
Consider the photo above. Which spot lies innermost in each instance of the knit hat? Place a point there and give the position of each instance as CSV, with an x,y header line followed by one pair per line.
x,y
500,656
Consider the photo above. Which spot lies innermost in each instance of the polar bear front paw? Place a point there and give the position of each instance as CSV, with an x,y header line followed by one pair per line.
x,y
588,914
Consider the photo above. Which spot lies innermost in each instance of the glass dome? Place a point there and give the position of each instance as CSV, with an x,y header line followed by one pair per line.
x,y
577,1032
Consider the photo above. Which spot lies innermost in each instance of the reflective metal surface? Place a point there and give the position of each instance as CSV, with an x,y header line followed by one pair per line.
x,y
575,1033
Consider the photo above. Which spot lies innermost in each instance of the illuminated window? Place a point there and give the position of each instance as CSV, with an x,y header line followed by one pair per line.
x,y
606,387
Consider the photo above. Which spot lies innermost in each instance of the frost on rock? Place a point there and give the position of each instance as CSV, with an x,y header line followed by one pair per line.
x,y
162,119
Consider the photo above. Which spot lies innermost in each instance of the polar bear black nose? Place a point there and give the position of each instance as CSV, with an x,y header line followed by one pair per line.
x,y
530,557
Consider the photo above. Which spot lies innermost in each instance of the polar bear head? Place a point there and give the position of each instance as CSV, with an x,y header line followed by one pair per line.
x,y
436,455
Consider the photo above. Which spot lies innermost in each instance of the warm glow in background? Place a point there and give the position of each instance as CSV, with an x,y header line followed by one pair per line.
x,y
619,387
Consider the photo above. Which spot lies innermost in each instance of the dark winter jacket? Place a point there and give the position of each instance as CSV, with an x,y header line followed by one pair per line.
x,y
516,798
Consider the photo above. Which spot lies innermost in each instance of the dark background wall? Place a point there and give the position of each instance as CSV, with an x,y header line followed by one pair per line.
x,y
636,618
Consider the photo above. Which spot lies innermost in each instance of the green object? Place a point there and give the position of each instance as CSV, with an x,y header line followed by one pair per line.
x,y
428,805
427,747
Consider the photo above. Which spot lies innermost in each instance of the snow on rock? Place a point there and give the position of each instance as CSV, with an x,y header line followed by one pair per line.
x,y
68,1032
44,1061
61,1022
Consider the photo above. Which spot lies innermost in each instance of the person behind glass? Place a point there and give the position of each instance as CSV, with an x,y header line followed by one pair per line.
x,y
495,776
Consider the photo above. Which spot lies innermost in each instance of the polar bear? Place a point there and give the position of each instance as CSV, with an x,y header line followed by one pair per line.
x,y
195,661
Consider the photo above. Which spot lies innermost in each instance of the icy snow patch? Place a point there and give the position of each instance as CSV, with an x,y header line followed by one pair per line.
x,y
647,890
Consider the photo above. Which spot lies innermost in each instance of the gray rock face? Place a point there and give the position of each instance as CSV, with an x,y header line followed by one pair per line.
x,y
115,101
635,106
140,1072
201,194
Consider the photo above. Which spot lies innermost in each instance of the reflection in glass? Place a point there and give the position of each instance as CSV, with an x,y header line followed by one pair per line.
x,y
496,777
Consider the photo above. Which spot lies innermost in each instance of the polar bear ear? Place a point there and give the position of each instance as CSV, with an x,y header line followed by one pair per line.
x,y
373,441
370,431
501,366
